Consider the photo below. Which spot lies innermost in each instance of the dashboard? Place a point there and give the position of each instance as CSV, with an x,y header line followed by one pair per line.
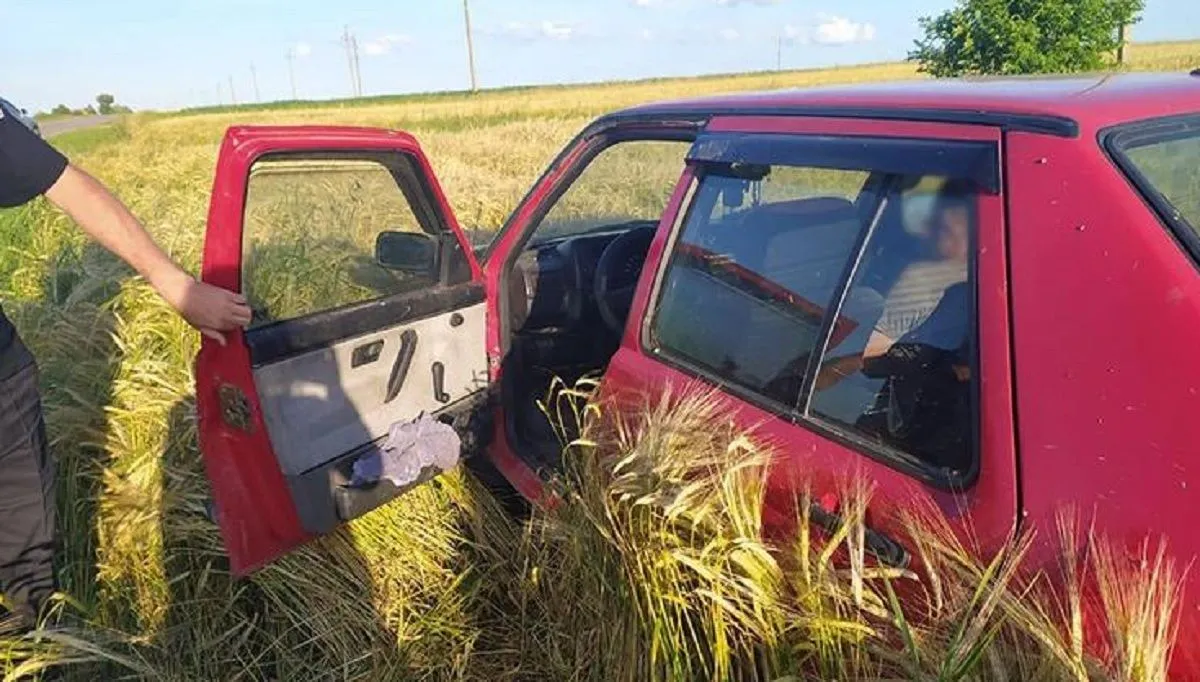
x,y
552,283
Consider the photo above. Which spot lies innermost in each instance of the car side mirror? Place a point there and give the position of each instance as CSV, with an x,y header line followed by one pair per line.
x,y
412,252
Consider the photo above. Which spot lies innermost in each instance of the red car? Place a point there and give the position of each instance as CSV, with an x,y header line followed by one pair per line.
x,y
979,294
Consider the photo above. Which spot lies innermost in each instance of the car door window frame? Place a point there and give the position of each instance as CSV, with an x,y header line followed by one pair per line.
x,y
561,175
788,149
278,340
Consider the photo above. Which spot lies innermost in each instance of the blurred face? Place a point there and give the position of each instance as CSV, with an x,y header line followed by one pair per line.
x,y
952,225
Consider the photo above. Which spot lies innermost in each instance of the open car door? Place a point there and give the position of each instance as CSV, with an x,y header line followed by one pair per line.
x,y
369,311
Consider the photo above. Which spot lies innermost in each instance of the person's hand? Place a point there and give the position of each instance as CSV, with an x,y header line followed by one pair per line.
x,y
210,309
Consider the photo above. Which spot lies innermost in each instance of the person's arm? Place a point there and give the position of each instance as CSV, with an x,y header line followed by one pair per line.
x,y
104,218
32,167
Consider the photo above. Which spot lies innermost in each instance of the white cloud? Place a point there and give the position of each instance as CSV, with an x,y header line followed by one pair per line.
x,y
302,49
833,30
384,44
646,34
730,34
734,3
643,3
557,31
514,28
543,30
796,34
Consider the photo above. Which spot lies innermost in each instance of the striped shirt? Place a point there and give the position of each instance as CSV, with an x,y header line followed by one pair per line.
x,y
916,294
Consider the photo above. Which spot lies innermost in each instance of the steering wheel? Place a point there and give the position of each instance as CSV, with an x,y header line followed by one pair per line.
x,y
617,273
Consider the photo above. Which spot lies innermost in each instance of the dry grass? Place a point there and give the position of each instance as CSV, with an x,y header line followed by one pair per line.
x,y
653,569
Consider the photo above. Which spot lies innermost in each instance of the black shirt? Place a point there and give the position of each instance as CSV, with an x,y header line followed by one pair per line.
x,y
28,167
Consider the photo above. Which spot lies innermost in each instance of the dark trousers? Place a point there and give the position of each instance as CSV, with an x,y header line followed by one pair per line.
x,y
26,495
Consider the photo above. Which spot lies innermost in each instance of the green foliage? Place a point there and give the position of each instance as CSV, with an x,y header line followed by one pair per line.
x,y
86,140
106,103
1008,37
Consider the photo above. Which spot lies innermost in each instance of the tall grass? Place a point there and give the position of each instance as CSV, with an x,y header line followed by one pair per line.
x,y
653,566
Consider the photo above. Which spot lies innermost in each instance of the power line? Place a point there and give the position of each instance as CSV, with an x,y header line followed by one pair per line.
x,y
351,60
357,67
470,45
292,72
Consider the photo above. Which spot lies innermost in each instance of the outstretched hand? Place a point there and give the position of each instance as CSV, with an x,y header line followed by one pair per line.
x,y
210,309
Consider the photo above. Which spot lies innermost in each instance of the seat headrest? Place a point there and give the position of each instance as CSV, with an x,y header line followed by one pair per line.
x,y
811,210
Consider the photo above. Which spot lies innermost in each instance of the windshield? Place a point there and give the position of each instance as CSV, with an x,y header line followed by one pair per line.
x,y
1163,159
626,185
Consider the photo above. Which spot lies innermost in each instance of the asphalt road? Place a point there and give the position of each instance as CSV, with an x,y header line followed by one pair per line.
x,y
52,128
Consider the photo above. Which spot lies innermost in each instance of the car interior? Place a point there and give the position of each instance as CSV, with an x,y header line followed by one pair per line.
x,y
568,300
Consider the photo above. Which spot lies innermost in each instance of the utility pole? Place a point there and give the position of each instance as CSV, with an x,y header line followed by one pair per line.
x,y
351,59
292,72
254,80
220,99
470,44
779,53
232,94
357,67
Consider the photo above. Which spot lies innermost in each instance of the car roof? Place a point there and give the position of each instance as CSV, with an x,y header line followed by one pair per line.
x,y
1087,103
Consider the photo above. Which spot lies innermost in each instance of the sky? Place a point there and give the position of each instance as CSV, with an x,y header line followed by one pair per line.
x,y
166,54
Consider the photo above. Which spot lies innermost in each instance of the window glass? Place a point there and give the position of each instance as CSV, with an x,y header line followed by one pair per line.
x,y
310,226
1169,160
754,271
905,382
752,279
626,182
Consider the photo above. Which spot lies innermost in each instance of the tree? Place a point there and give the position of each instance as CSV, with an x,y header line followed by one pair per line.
x,y
1010,37
105,101
60,110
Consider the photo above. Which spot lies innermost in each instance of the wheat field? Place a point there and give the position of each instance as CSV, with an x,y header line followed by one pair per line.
x,y
442,584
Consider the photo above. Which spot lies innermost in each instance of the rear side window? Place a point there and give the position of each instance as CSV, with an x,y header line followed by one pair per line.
x,y
842,296
1162,157
741,281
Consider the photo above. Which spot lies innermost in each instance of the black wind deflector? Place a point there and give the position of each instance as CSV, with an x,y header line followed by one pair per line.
x,y
965,159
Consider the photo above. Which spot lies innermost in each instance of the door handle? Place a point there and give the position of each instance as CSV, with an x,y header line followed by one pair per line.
x,y
439,383
879,545
404,358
